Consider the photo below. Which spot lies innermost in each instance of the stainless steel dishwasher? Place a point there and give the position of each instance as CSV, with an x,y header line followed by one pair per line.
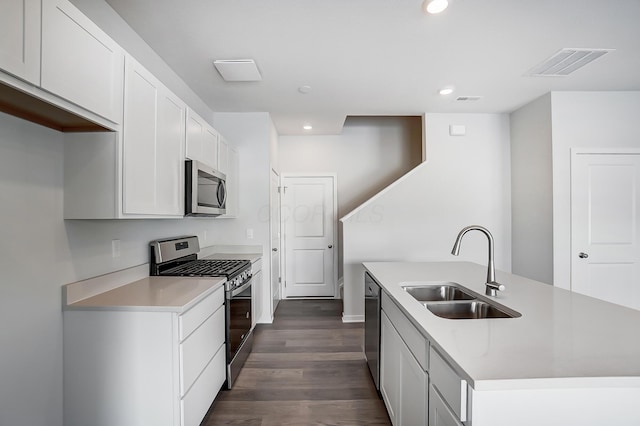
x,y
372,308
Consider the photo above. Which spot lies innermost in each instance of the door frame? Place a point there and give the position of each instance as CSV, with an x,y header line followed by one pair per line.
x,y
575,152
283,236
272,210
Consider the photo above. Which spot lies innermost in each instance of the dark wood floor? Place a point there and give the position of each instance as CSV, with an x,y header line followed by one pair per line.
x,y
307,368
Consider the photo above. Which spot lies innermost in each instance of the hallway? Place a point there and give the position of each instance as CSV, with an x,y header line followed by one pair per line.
x,y
307,368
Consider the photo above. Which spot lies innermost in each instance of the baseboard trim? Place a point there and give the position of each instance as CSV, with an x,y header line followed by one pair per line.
x,y
352,318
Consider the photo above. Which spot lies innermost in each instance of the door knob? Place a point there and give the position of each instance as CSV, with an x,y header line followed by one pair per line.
x,y
330,245
274,249
583,255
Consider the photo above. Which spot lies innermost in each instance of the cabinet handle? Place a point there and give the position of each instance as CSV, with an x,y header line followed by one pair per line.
x,y
274,249
248,315
583,255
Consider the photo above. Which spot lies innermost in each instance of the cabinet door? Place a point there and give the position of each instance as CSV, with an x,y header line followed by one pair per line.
x,y
20,39
210,147
202,141
153,140
439,413
169,165
80,62
390,367
413,391
139,140
223,156
257,297
195,134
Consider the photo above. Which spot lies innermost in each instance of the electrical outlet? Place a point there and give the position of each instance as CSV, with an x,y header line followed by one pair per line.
x,y
115,248
204,235
249,233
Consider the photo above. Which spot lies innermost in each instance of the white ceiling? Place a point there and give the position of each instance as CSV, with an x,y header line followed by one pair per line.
x,y
385,57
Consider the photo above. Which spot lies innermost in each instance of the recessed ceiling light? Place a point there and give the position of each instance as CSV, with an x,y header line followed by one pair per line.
x,y
307,127
434,6
446,91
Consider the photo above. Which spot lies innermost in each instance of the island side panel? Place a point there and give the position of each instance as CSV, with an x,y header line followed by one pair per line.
x,y
556,407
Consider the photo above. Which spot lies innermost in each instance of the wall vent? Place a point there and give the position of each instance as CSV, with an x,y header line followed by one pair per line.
x,y
566,61
468,98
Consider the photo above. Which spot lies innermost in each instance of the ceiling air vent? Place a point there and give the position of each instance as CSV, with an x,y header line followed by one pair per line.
x,y
238,69
468,98
566,61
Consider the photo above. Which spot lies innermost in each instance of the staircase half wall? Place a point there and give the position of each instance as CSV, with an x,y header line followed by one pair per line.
x,y
465,180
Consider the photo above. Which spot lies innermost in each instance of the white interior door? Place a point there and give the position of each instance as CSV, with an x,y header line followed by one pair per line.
x,y
309,216
275,240
605,233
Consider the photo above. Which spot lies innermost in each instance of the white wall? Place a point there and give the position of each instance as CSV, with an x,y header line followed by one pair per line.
x,y
465,181
253,134
531,191
371,153
584,120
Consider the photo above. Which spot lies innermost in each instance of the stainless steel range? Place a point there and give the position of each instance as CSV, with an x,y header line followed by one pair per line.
x,y
179,257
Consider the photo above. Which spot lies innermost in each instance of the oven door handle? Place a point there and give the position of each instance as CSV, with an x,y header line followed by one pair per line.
x,y
240,289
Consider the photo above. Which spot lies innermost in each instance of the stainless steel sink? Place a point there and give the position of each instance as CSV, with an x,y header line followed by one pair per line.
x,y
436,292
450,300
470,310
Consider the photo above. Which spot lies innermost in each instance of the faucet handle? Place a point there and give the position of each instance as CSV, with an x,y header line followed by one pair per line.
x,y
493,288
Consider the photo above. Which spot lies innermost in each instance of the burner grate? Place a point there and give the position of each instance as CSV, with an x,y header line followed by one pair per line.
x,y
209,267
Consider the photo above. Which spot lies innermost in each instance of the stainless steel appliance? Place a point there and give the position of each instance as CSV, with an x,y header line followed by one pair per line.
x,y
372,309
205,190
179,257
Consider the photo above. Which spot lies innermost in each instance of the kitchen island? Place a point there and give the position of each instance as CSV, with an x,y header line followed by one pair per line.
x,y
568,359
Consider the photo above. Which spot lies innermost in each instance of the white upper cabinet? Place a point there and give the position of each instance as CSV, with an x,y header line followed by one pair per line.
x,y
223,155
152,140
202,140
20,39
80,63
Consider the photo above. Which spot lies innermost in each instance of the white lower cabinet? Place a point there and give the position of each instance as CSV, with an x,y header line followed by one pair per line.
x,y
257,291
439,413
141,368
403,382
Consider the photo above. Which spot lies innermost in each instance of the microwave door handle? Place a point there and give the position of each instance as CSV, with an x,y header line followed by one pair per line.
x,y
222,188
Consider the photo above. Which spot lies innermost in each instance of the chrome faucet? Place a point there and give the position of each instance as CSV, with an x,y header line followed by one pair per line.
x,y
492,286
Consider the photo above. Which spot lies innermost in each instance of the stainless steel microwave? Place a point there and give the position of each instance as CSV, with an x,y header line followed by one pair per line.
x,y
205,190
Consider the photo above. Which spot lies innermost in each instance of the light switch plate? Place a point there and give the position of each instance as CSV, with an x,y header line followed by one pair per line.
x,y
457,130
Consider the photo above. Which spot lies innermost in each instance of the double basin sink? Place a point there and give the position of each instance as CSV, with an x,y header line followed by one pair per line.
x,y
452,301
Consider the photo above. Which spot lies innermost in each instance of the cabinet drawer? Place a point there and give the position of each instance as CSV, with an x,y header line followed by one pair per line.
x,y
199,398
417,343
439,413
198,349
195,316
452,388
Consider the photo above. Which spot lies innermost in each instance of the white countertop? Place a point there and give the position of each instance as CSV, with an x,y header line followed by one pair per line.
x,y
173,294
562,339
